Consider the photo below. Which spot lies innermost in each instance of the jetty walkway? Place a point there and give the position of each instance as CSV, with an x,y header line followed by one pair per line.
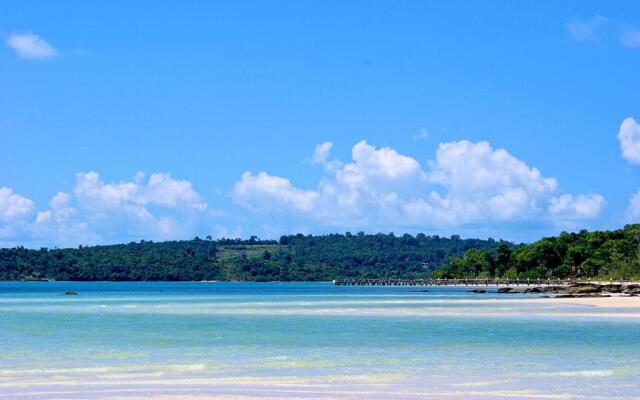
x,y
453,282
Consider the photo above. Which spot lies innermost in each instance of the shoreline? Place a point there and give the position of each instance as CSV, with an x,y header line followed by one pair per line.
x,y
600,302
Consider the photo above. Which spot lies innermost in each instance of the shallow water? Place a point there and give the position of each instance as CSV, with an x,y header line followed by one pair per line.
x,y
307,340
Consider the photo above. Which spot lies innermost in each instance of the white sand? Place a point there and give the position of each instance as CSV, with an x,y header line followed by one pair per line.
x,y
610,302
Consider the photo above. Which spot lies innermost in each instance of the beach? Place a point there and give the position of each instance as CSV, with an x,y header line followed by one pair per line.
x,y
605,302
311,341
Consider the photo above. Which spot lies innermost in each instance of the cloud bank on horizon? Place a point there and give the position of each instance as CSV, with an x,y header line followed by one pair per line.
x,y
466,184
98,212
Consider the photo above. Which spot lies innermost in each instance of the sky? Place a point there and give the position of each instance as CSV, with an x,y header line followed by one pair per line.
x,y
158,120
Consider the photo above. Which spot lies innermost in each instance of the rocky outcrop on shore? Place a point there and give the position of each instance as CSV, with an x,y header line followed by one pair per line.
x,y
578,290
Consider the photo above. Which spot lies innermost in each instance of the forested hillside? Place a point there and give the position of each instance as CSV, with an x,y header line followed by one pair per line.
x,y
292,258
604,254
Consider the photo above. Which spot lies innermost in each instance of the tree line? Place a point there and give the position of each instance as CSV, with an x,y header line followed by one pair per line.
x,y
292,258
597,254
604,254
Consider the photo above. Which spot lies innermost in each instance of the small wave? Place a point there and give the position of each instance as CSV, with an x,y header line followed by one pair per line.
x,y
187,367
145,369
596,373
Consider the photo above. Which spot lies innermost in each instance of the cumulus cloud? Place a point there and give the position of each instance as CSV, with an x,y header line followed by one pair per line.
x,y
631,38
384,163
321,152
30,46
482,184
13,206
633,211
262,191
582,206
160,190
587,30
14,211
95,211
629,138
467,183
467,167
321,157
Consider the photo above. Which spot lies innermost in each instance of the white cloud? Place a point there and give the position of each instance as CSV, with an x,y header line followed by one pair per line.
x,y
95,211
481,184
467,183
466,167
587,30
631,38
577,207
321,156
60,210
60,200
629,138
633,211
262,191
321,152
30,46
14,212
160,190
167,192
13,206
384,163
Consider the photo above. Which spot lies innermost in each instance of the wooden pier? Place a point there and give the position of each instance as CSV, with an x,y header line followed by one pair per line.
x,y
452,282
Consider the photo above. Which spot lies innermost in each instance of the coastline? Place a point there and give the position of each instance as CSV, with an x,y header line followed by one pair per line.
x,y
604,302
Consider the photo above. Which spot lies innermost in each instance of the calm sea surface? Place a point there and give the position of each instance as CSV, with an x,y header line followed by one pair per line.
x,y
307,340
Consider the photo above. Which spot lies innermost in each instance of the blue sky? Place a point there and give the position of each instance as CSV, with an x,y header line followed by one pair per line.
x,y
161,120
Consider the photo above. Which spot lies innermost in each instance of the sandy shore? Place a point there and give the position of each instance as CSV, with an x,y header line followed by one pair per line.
x,y
614,301
611,302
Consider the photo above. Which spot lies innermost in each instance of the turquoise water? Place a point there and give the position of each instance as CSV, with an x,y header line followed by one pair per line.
x,y
307,340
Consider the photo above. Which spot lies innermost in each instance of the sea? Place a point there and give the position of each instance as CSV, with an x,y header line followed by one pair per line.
x,y
215,340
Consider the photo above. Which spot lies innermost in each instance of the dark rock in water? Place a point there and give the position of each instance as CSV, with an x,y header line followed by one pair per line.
x,y
477,291
552,289
512,290
577,290
611,288
631,289
545,297
584,288
71,293
565,296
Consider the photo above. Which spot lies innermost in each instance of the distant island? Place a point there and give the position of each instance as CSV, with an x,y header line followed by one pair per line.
x,y
598,254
